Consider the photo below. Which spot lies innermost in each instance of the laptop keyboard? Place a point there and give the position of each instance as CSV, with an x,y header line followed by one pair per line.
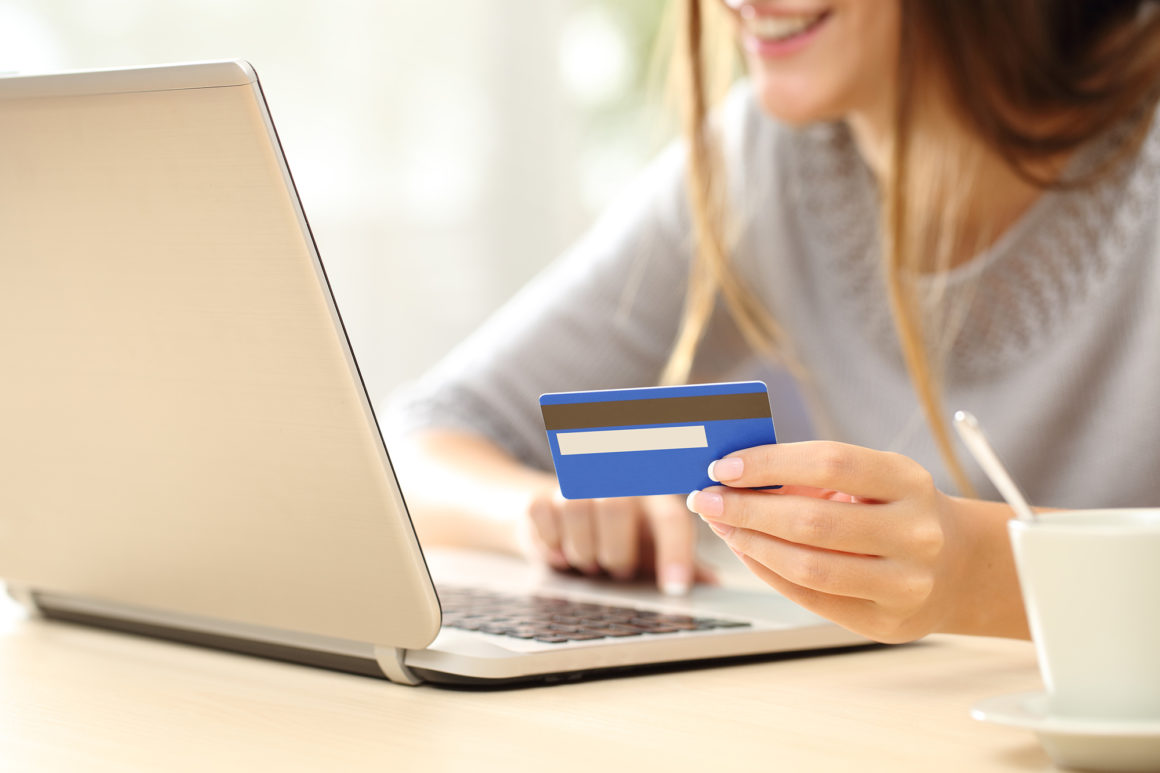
x,y
555,620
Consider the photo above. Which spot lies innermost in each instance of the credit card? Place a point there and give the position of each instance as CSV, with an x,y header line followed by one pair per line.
x,y
655,440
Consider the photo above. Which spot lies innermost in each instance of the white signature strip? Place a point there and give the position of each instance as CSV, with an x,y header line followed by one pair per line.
x,y
603,441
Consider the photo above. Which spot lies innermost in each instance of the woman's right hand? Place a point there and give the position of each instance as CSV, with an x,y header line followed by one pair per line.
x,y
625,537
464,490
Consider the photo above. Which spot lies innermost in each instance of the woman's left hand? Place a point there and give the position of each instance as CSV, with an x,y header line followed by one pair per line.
x,y
858,536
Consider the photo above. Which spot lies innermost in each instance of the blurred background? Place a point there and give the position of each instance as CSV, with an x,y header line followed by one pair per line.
x,y
444,151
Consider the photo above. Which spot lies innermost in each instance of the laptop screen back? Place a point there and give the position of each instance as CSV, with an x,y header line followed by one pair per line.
x,y
184,427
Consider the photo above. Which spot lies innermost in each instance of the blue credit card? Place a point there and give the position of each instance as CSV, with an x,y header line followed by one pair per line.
x,y
657,440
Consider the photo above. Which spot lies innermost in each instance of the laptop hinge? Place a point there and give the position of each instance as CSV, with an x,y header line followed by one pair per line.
x,y
24,597
390,659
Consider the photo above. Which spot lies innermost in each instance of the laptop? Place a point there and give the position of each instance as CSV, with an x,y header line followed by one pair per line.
x,y
188,447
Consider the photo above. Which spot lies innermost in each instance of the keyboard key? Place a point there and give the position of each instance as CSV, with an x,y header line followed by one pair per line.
x,y
616,632
555,621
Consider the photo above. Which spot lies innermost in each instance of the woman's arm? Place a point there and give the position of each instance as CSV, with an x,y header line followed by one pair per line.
x,y
463,490
604,315
991,604
864,538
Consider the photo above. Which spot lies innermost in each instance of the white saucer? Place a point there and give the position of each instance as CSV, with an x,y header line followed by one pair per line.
x,y
1075,742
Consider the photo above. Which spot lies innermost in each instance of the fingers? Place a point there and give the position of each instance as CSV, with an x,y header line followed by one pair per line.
x,y
578,534
865,617
587,534
819,464
826,571
674,538
595,535
546,531
851,613
806,520
617,528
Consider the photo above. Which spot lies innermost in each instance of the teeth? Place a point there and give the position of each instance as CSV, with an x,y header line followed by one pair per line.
x,y
779,27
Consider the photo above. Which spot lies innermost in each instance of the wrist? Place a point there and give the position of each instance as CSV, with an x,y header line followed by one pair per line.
x,y
464,491
985,598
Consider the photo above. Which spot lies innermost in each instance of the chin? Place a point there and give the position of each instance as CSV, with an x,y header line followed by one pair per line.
x,y
794,104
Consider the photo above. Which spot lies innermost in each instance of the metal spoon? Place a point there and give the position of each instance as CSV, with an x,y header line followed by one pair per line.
x,y
977,443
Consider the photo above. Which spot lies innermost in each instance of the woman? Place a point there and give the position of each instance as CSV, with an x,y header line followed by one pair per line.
x,y
911,204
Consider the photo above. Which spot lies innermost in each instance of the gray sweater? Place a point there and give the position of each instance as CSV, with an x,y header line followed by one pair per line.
x,y
1058,323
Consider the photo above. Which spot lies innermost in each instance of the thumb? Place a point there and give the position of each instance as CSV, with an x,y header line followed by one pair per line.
x,y
674,539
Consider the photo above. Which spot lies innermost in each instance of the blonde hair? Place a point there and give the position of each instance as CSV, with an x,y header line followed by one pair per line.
x,y
708,68
994,63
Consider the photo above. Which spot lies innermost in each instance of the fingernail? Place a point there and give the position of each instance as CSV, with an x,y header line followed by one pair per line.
x,y
726,469
676,579
705,503
722,530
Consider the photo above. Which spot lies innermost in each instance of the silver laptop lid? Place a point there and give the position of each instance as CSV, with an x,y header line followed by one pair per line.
x,y
184,426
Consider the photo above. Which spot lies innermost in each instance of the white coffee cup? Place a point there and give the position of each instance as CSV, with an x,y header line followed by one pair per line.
x,y
1091,585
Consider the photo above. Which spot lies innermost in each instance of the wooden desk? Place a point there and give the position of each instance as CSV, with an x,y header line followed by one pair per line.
x,y
73,698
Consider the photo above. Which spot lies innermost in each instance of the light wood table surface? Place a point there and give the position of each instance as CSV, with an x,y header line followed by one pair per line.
x,y
73,698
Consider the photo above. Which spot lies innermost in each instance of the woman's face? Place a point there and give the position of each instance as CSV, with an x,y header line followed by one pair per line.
x,y
817,60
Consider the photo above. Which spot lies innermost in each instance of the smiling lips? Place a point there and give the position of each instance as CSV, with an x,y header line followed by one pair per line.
x,y
769,30
779,27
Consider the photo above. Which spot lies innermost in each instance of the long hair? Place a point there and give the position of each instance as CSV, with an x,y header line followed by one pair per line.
x,y
1029,82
